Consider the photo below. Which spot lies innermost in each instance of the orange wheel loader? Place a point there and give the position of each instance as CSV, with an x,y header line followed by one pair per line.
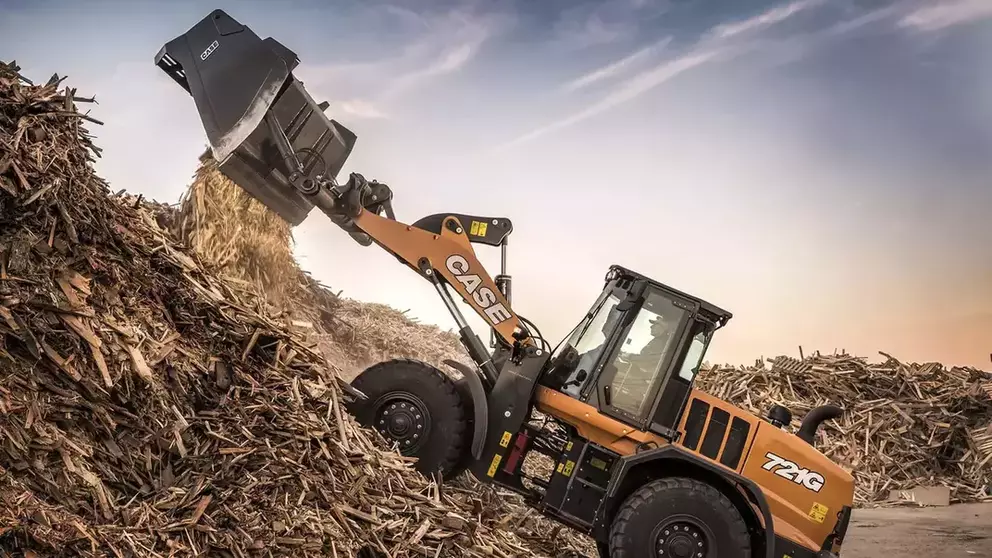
x,y
643,463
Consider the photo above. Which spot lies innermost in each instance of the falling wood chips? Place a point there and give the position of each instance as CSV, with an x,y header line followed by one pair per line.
x,y
150,408
906,425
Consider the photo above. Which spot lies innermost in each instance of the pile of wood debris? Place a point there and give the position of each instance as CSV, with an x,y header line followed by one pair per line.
x,y
240,238
906,425
149,407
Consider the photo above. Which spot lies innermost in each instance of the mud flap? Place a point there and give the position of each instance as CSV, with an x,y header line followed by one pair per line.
x,y
480,407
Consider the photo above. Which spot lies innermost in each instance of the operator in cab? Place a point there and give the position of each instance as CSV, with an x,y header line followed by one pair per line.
x,y
637,371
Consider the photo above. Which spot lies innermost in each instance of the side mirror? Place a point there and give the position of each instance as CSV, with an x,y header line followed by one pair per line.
x,y
579,378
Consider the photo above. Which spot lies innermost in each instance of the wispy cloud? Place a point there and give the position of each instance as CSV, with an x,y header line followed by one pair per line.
x,y
443,44
588,24
939,15
629,90
614,68
447,59
762,21
714,45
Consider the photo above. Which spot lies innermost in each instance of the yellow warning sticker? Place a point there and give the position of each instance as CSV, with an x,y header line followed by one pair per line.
x,y
494,465
818,513
561,466
569,465
478,228
569,446
505,440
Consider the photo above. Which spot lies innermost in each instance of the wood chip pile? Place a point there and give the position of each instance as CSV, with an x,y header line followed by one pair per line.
x,y
150,408
906,425
233,232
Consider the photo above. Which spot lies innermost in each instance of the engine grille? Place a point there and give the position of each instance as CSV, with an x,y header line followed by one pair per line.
x,y
712,432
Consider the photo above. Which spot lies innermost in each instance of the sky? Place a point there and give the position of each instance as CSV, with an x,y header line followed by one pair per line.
x,y
820,168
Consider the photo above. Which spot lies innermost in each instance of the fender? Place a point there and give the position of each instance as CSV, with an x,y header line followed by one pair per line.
x,y
480,407
669,455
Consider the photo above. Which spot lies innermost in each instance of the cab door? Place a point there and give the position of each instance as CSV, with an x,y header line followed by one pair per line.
x,y
639,365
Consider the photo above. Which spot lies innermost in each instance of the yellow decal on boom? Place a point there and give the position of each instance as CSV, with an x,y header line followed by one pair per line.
x,y
505,440
494,465
818,513
568,467
478,228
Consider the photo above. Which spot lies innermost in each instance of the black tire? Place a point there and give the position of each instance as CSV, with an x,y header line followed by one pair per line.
x,y
682,516
468,406
417,406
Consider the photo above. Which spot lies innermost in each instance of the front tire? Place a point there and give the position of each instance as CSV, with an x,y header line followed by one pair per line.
x,y
418,407
679,518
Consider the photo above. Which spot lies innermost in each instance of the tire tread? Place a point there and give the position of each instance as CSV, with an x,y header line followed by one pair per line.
x,y
625,518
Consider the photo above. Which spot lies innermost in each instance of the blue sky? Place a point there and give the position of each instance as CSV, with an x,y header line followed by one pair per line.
x,y
819,167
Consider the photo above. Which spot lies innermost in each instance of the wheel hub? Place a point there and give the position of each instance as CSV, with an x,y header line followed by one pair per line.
x,y
403,418
684,538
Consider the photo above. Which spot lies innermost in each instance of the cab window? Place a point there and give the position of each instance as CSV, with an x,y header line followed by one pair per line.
x,y
589,343
694,356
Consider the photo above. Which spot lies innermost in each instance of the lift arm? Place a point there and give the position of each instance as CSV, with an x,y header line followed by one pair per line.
x,y
443,247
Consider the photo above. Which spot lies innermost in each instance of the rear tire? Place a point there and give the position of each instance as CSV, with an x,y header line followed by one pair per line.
x,y
683,517
417,406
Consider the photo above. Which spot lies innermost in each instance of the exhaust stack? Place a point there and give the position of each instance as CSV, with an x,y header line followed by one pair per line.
x,y
813,420
266,132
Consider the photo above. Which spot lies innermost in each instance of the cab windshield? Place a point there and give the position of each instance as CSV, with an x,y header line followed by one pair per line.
x,y
587,341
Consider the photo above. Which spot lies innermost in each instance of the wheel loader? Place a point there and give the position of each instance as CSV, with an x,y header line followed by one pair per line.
x,y
643,462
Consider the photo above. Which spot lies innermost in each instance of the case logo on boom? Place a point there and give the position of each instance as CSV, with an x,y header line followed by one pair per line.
x,y
789,470
481,294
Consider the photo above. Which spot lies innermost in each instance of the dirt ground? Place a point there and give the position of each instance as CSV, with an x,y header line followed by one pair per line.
x,y
963,530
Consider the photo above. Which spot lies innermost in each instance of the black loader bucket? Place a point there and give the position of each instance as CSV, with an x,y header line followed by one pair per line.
x,y
256,114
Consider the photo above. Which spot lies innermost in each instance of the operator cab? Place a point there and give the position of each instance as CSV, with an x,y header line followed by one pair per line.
x,y
635,354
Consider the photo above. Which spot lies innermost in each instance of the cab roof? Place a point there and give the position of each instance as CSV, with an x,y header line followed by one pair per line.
x,y
709,309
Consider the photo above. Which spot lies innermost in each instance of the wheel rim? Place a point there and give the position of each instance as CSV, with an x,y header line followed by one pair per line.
x,y
403,418
683,536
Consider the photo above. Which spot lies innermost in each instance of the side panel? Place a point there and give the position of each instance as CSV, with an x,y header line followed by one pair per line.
x,y
593,425
739,445
804,489
786,469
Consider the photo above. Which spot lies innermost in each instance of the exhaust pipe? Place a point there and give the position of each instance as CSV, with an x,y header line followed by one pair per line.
x,y
813,420
265,131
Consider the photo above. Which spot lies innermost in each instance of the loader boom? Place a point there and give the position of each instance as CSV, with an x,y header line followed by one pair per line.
x,y
449,253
